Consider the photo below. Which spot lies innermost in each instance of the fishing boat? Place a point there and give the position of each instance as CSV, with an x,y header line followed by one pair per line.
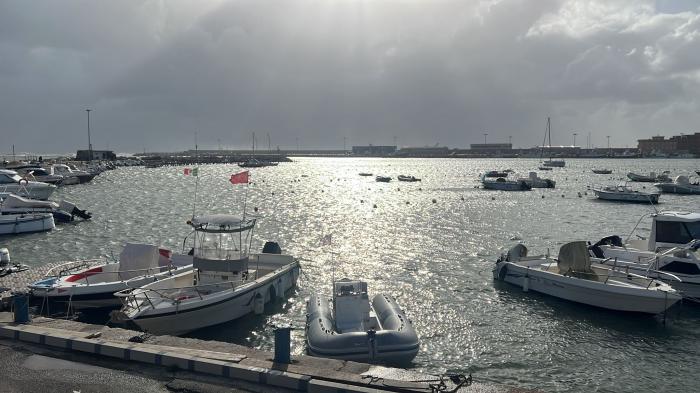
x,y
14,224
650,178
92,283
572,276
383,179
602,171
677,266
11,182
226,283
408,178
548,137
504,184
62,212
680,185
535,181
624,193
355,328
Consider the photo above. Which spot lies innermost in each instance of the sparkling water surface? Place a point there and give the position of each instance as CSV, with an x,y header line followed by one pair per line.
x,y
431,244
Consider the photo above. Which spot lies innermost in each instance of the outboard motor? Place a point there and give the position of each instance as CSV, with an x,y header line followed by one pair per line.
x,y
613,240
272,248
4,258
74,211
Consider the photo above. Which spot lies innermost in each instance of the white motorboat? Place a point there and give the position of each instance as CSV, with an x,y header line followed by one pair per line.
x,y
668,229
677,266
71,175
573,277
62,212
14,224
680,185
535,181
624,193
650,178
504,184
92,283
227,282
40,174
11,182
356,329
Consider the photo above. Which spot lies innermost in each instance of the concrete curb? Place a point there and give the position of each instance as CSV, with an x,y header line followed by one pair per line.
x,y
167,357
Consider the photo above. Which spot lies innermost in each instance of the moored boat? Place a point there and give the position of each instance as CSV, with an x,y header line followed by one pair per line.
x,y
680,185
11,182
624,193
354,328
92,283
383,179
227,282
535,181
62,212
602,171
650,178
571,276
408,178
496,174
504,184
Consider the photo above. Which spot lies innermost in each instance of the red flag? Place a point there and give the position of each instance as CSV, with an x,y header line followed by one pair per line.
x,y
239,178
187,171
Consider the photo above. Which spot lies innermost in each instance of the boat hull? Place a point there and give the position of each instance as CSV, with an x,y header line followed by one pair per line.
x,y
13,224
226,306
673,188
589,292
627,197
506,185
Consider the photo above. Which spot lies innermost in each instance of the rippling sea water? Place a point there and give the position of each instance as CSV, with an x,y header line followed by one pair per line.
x,y
434,257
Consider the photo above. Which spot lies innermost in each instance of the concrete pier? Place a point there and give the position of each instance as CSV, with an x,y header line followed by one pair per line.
x,y
223,361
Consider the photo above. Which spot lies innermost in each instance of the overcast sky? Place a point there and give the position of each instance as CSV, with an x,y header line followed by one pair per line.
x,y
424,71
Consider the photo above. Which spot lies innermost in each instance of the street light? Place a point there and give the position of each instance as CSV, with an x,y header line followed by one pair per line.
x,y
89,142
485,138
575,139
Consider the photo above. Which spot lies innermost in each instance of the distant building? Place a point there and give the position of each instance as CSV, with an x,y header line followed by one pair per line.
x,y
675,145
372,150
443,151
84,155
490,147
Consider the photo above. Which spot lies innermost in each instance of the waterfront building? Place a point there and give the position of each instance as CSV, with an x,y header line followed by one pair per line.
x,y
372,150
675,145
435,151
84,155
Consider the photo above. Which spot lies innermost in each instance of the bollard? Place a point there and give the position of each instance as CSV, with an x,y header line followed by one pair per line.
x,y
282,345
21,306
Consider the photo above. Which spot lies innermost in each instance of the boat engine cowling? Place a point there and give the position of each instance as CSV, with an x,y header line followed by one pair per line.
x,y
4,256
73,210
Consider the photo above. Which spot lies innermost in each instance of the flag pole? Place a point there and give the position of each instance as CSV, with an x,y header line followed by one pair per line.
x,y
245,197
194,203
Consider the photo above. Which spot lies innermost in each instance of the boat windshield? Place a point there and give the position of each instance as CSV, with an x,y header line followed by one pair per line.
x,y
677,232
220,246
9,179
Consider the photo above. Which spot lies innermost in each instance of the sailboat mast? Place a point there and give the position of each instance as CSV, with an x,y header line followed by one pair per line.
x,y
549,137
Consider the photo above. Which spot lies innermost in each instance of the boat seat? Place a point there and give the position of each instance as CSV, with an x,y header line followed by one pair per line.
x,y
575,261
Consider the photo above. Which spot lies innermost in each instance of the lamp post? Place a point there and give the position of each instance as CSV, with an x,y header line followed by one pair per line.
x,y
89,142
575,139
485,138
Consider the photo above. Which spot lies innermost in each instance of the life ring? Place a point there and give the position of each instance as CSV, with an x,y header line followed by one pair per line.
x,y
26,182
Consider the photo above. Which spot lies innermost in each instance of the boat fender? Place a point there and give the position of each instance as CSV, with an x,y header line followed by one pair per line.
x,y
26,182
258,304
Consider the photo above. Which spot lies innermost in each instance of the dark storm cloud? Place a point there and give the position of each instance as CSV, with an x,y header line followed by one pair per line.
x,y
439,72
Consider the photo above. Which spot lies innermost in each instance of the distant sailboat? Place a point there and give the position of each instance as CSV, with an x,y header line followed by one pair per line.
x,y
548,137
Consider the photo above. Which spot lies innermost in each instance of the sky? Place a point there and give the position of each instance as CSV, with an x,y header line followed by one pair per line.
x,y
159,74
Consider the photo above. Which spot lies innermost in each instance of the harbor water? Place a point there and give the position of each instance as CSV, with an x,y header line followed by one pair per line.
x,y
431,244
